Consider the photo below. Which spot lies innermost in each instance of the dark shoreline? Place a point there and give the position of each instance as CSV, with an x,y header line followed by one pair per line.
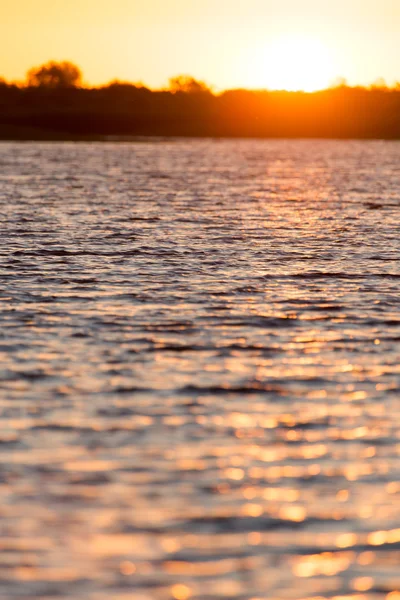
x,y
127,113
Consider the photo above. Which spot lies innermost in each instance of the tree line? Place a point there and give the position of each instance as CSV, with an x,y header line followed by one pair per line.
x,y
53,103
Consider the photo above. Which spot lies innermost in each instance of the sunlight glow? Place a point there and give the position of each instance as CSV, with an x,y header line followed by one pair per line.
x,y
295,63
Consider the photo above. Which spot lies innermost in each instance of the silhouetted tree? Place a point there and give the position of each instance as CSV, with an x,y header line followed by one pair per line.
x,y
187,84
55,75
379,84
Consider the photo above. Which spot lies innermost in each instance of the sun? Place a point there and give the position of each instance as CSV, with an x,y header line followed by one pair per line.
x,y
293,64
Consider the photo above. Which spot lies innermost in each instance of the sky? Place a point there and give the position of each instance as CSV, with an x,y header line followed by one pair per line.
x,y
291,44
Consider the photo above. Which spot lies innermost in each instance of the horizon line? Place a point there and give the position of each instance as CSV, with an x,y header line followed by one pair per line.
x,y
202,84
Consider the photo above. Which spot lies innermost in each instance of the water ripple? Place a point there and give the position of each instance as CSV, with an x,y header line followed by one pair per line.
x,y
199,377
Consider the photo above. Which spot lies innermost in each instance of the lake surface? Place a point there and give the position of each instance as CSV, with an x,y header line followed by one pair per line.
x,y
200,370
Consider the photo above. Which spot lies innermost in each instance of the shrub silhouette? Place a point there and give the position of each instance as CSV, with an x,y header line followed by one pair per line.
x,y
187,85
55,75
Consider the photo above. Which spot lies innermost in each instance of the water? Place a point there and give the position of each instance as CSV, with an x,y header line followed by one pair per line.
x,y
200,380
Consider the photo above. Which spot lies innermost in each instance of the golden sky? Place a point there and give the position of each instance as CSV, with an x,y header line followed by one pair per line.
x,y
293,44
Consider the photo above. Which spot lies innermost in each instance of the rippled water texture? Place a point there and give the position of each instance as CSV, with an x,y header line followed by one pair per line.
x,y
200,380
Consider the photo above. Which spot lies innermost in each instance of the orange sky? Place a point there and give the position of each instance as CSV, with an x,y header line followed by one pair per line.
x,y
228,43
